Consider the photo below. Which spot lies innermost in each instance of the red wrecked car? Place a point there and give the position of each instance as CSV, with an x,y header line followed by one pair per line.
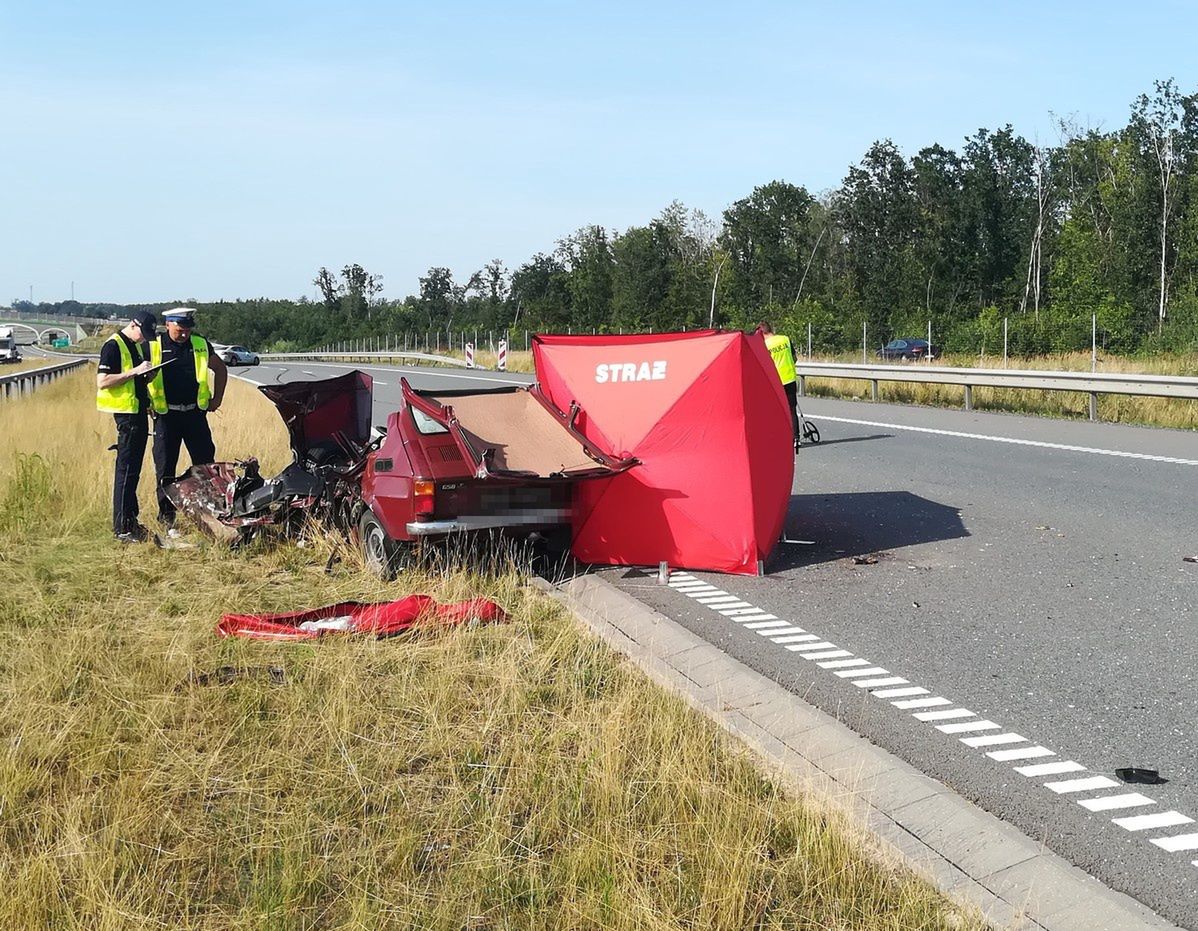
x,y
501,460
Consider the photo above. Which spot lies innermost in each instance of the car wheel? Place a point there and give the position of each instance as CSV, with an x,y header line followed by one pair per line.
x,y
380,553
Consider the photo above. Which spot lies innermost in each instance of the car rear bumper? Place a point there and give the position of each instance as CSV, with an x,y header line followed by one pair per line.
x,y
533,519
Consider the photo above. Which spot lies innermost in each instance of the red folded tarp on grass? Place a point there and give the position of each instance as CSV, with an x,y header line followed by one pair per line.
x,y
706,415
355,617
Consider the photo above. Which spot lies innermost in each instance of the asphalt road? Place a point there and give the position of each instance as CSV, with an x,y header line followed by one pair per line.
x,y
1029,586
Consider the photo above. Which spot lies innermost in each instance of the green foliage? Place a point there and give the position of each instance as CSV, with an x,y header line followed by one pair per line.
x,y
1104,224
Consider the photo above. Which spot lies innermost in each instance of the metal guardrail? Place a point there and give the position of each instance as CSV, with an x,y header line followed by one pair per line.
x,y
27,380
366,356
1092,383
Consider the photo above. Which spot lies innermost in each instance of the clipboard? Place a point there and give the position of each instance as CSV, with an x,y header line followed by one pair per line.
x,y
154,368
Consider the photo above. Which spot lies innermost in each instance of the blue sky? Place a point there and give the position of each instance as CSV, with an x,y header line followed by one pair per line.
x,y
166,151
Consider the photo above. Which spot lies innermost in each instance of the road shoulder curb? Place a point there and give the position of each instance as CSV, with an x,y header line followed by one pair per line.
x,y
967,853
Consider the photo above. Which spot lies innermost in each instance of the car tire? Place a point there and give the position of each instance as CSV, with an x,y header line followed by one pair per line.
x,y
380,553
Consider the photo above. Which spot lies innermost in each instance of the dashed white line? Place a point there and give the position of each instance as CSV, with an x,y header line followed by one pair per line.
x,y
878,683
901,693
1180,842
884,685
1088,784
809,647
1162,819
1020,753
991,740
963,727
943,715
1050,769
921,703
1113,802
871,671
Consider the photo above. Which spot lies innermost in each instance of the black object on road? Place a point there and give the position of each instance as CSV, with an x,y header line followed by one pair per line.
x,y
1138,776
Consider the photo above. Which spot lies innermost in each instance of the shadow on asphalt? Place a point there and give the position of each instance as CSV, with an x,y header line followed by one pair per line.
x,y
848,439
842,526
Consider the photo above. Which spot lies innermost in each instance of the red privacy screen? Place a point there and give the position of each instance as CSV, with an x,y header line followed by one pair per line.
x,y
705,414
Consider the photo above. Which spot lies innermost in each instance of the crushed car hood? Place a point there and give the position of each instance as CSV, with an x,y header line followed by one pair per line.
x,y
324,413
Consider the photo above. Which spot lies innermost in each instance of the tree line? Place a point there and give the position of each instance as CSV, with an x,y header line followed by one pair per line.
x,y
1102,223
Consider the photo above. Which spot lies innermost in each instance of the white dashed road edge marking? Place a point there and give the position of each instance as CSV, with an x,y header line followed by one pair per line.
x,y
1094,451
941,713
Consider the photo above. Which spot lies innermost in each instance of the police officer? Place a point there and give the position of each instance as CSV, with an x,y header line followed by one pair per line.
x,y
121,391
782,351
182,399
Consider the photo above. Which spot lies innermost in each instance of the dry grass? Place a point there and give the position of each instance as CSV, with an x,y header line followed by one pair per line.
x,y
513,776
27,362
1161,412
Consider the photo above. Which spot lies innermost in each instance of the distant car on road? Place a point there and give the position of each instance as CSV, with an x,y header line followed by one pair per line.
x,y
909,349
236,355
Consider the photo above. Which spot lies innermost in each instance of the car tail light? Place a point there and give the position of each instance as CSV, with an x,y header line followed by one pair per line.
x,y
425,498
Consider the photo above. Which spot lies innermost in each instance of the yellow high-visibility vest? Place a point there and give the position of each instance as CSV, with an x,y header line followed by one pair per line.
x,y
122,398
783,356
199,349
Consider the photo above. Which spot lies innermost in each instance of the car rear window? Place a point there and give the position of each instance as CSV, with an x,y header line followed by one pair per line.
x,y
425,424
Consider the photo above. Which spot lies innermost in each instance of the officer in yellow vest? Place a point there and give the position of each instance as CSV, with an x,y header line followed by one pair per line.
x,y
182,399
121,391
782,351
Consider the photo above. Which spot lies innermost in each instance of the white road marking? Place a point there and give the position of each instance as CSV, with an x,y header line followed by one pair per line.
x,y
1087,784
900,693
809,647
965,726
879,681
921,703
990,740
1020,753
1180,842
1112,802
943,715
1118,453
1163,819
886,680
1051,769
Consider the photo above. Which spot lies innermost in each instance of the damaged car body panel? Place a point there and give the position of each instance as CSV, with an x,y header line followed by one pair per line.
x,y
502,460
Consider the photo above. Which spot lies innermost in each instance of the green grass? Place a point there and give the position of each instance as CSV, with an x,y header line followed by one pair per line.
x,y
505,776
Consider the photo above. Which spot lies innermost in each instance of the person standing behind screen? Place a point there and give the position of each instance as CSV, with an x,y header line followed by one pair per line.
x,y
182,400
782,351
121,391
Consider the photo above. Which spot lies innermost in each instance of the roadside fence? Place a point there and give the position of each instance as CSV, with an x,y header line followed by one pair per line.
x,y
25,381
992,339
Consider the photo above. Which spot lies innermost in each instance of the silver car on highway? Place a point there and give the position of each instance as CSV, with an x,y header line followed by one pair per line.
x,y
236,355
